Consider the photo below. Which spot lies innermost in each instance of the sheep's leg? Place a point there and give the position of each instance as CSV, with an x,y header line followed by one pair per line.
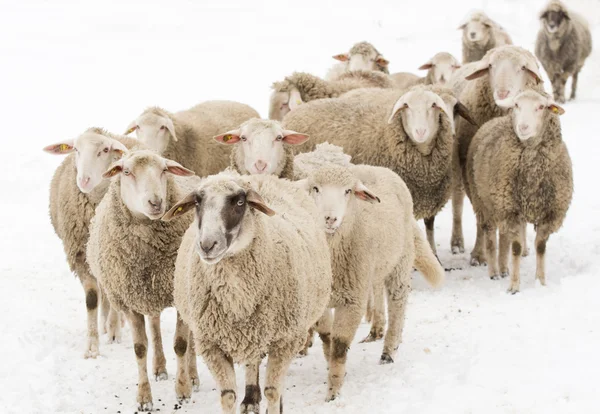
x,y
478,255
525,252
104,310
541,238
430,233
221,368
309,342
457,243
370,305
251,402
346,320
515,277
397,289
574,84
140,346
183,387
378,324
113,326
159,363
560,80
192,363
277,366
323,328
90,287
490,250
503,252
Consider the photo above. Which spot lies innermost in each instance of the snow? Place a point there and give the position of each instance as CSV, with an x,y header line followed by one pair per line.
x,y
468,347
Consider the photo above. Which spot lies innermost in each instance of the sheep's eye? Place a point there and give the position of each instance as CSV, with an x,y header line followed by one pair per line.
x,y
516,105
490,66
162,127
100,153
105,149
76,150
243,138
126,172
279,138
165,169
315,189
240,202
434,105
541,107
348,191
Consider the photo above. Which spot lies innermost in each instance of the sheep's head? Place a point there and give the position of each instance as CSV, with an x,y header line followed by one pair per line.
x,y
335,191
529,113
282,102
477,28
261,142
143,176
420,111
441,67
224,209
94,153
555,18
363,56
511,70
154,128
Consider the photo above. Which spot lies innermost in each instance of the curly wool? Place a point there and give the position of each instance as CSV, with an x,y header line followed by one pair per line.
x,y
134,258
264,298
195,128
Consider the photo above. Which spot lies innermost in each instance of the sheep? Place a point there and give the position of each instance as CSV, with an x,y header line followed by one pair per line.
x,y
440,69
417,145
132,254
250,281
75,191
372,242
480,34
362,56
457,81
519,171
498,78
263,147
186,136
303,87
563,44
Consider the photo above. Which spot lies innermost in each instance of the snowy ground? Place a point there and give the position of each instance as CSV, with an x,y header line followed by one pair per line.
x,y
468,348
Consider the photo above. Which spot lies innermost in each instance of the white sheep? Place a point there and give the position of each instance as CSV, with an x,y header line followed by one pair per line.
x,y
186,136
440,69
480,34
75,191
253,275
132,253
361,56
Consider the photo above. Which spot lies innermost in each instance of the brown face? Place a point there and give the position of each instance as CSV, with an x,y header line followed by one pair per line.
x,y
554,19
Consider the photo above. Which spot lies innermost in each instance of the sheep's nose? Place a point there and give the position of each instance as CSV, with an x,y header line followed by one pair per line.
x,y
442,80
503,94
330,221
156,203
421,132
84,181
208,245
523,128
260,165
473,35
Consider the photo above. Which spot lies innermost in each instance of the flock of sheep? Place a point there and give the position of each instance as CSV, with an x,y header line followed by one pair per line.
x,y
284,229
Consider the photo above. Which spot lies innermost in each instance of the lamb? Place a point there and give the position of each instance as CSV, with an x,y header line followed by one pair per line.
x,y
372,240
186,136
303,87
481,34
75,191
498,78
563,44
519,171
132,254
250,281
362,56
440,69
417,145
263,147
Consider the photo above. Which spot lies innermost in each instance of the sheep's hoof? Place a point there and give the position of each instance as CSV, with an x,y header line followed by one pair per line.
x,y
512,290
92,351
504,274
147,406
477,260
495,277
331,396
457,249
250,408
161,376
302,353
374,335
525,252
386,359
195,384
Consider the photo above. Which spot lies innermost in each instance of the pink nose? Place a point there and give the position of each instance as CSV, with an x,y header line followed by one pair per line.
x,y
421,132
503,94
260,165
523,128
84,181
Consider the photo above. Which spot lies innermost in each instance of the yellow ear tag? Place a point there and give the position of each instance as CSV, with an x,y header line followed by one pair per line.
x,y
298,102
555,109
63,147
227,137
179,209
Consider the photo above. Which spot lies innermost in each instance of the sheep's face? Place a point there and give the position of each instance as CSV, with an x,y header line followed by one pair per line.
x,y
529,113
335,190
420,111
363,56
155,131
223,217
477,31
94,154
511,70
143,176
554,20
261,143
282,103
441,67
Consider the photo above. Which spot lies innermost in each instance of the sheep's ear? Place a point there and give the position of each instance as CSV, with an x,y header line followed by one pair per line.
x,y
478,73
460,109
533,72
114,169
461,27
178,169
229,138
362,192
132,127
182,207
456,66
555,108
399,106
171,128
303,184
565,14
256,202
381,61
295,99
61,148
293,137
118,148
426,66
342,57
544,15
